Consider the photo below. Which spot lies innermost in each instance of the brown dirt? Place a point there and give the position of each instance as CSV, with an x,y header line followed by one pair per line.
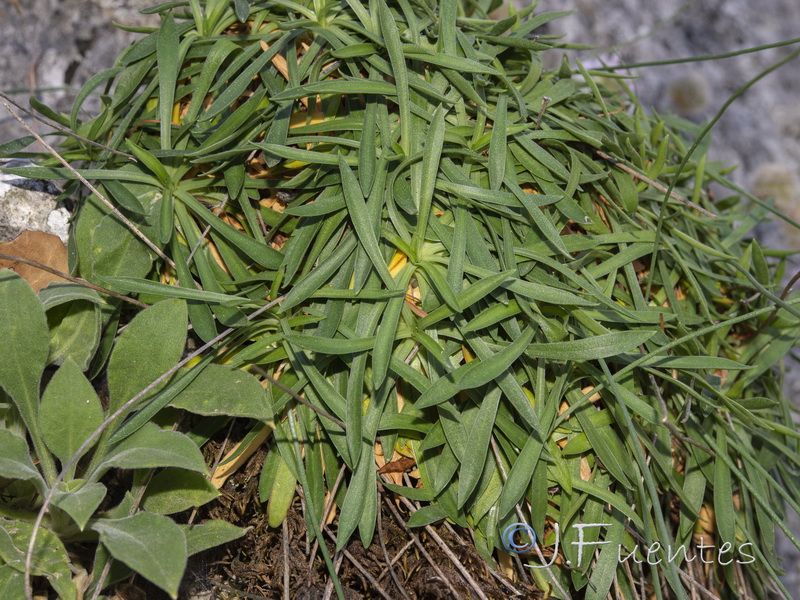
x,y
256,565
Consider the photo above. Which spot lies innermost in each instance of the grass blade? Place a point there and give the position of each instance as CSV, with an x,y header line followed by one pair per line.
x,y
357,209
167,56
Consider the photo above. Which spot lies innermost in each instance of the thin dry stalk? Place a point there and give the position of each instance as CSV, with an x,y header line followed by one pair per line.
x,y
337,563
653,183
77,280
389,565
217,460
397,557
93,189
744,589
521,517
453,558
286,567
421,547
665,417
64,130
362,569
205,233
296,396
696,585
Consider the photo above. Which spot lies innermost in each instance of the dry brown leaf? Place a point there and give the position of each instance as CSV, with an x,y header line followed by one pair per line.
x,y
386,468
400,465
38,246
706,521
332,513
380,459
221,473
283,67
562,408
273,202
594,397
468,355
506,564
586,470
212,247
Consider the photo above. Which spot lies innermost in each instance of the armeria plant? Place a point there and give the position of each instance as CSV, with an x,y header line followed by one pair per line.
x,y
429,249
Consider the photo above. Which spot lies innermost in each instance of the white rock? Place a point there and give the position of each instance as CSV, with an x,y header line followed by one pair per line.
x,y
30,204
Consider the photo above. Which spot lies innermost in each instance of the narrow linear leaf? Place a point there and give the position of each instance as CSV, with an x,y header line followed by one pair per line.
x,y
167,56
497,145
475,373
430,168
601,346
146,286
357,210
330,345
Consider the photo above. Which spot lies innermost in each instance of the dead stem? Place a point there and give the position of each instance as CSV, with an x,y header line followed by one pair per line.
x,y
453,558
362,569
389,566
671,426
521,517
296,396
93,189
337,559
619,164
286,567
77,280
421,547
64,130
205,233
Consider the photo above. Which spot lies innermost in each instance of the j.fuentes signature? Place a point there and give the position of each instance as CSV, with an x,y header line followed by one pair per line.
x,y
514,540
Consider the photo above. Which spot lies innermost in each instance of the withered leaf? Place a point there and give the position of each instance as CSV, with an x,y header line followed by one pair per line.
x,y
401,465
38,246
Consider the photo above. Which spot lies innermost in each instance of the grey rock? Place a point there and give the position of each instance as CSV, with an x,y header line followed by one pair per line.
x,y
52,47
47,44
753,130
761,128
30,204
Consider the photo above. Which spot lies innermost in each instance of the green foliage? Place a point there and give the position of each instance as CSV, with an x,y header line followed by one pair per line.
x,y
66,425
151,544
512,275
244,396
69,422
49,559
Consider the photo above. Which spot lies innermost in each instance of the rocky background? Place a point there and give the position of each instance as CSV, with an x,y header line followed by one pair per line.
x,y
51,47
760,131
